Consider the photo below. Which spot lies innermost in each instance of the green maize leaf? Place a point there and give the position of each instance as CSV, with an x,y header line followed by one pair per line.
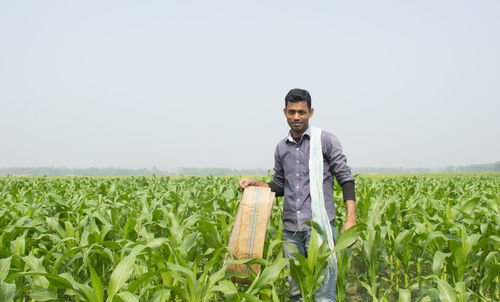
x,y
493,273
69,229
274,244
66,255
128,297
4,268
156,243
36,265
297,274
161,295
432,236
461,291
275,296
349,237
68,277
402,237
18,246
209,232
471,204
438,262
249,297
215,277
26,223
237,275
134,285
189,242
7,291
302,264
426,299
404,295
44,294
269,274
60,243
495,238
226,287
56,281
248,261
491,257
111,245
371,289
178,268
96,285
446,292
312,252
54,224
122,272
88,293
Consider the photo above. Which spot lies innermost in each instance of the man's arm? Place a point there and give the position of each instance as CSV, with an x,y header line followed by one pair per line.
x,y
349,195
350,219
339,168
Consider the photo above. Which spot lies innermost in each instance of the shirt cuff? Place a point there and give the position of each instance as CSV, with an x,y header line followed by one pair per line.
x,y
279,191
348,190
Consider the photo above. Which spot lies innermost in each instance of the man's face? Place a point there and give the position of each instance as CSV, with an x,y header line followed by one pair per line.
x,y
297,116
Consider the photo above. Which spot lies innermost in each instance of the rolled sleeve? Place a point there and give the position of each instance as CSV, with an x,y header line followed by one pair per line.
x,y
337,161
348,191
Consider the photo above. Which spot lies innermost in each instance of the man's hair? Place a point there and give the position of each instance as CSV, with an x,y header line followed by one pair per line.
x,y
298,95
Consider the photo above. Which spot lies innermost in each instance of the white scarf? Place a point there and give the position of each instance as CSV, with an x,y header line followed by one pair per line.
x,y
318,209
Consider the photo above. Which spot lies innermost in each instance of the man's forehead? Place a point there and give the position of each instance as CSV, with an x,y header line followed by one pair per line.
x,y
297,105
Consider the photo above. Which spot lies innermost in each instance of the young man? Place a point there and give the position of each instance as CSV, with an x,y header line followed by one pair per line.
x,y
291,180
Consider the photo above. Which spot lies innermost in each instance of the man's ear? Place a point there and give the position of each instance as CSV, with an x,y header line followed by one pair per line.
x,y
284,111
311,112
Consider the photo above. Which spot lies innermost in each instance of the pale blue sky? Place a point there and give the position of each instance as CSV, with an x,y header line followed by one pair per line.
x,y
137,84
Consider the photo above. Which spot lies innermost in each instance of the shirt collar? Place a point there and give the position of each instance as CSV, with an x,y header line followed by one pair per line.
x,y
307,132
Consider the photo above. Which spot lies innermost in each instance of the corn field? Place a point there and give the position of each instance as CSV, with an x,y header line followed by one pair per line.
x,y
419,238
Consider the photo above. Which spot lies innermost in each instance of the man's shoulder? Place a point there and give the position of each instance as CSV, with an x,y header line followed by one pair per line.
x,y
282,141
327,134
329,139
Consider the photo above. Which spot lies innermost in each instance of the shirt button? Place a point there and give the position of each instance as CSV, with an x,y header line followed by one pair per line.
x,y
297,187
298,212
298,161
298,199
297,149
297,174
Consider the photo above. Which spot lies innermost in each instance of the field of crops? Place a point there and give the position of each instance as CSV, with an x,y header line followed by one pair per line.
x,y
422,238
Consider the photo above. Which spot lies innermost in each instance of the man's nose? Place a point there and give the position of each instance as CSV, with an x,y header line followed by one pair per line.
x,y
296,116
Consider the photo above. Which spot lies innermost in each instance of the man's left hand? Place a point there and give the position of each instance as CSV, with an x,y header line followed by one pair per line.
x,y
348,224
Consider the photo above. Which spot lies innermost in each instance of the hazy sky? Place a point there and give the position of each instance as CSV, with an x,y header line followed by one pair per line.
x,y
137,84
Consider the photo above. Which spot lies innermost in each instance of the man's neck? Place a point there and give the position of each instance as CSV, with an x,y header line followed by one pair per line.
x,y
297,135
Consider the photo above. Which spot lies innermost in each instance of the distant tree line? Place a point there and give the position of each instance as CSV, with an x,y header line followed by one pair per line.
x,y
493,167
94,171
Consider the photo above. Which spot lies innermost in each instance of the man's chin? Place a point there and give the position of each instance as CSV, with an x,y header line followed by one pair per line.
x,y
298,130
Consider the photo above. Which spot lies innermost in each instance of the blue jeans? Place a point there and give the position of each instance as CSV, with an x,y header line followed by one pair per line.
x,y
300,241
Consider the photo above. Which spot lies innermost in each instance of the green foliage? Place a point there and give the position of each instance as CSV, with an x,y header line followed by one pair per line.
x,y
428,238
164,239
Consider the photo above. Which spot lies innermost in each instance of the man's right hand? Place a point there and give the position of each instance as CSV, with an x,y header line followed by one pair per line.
x,y
245,182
